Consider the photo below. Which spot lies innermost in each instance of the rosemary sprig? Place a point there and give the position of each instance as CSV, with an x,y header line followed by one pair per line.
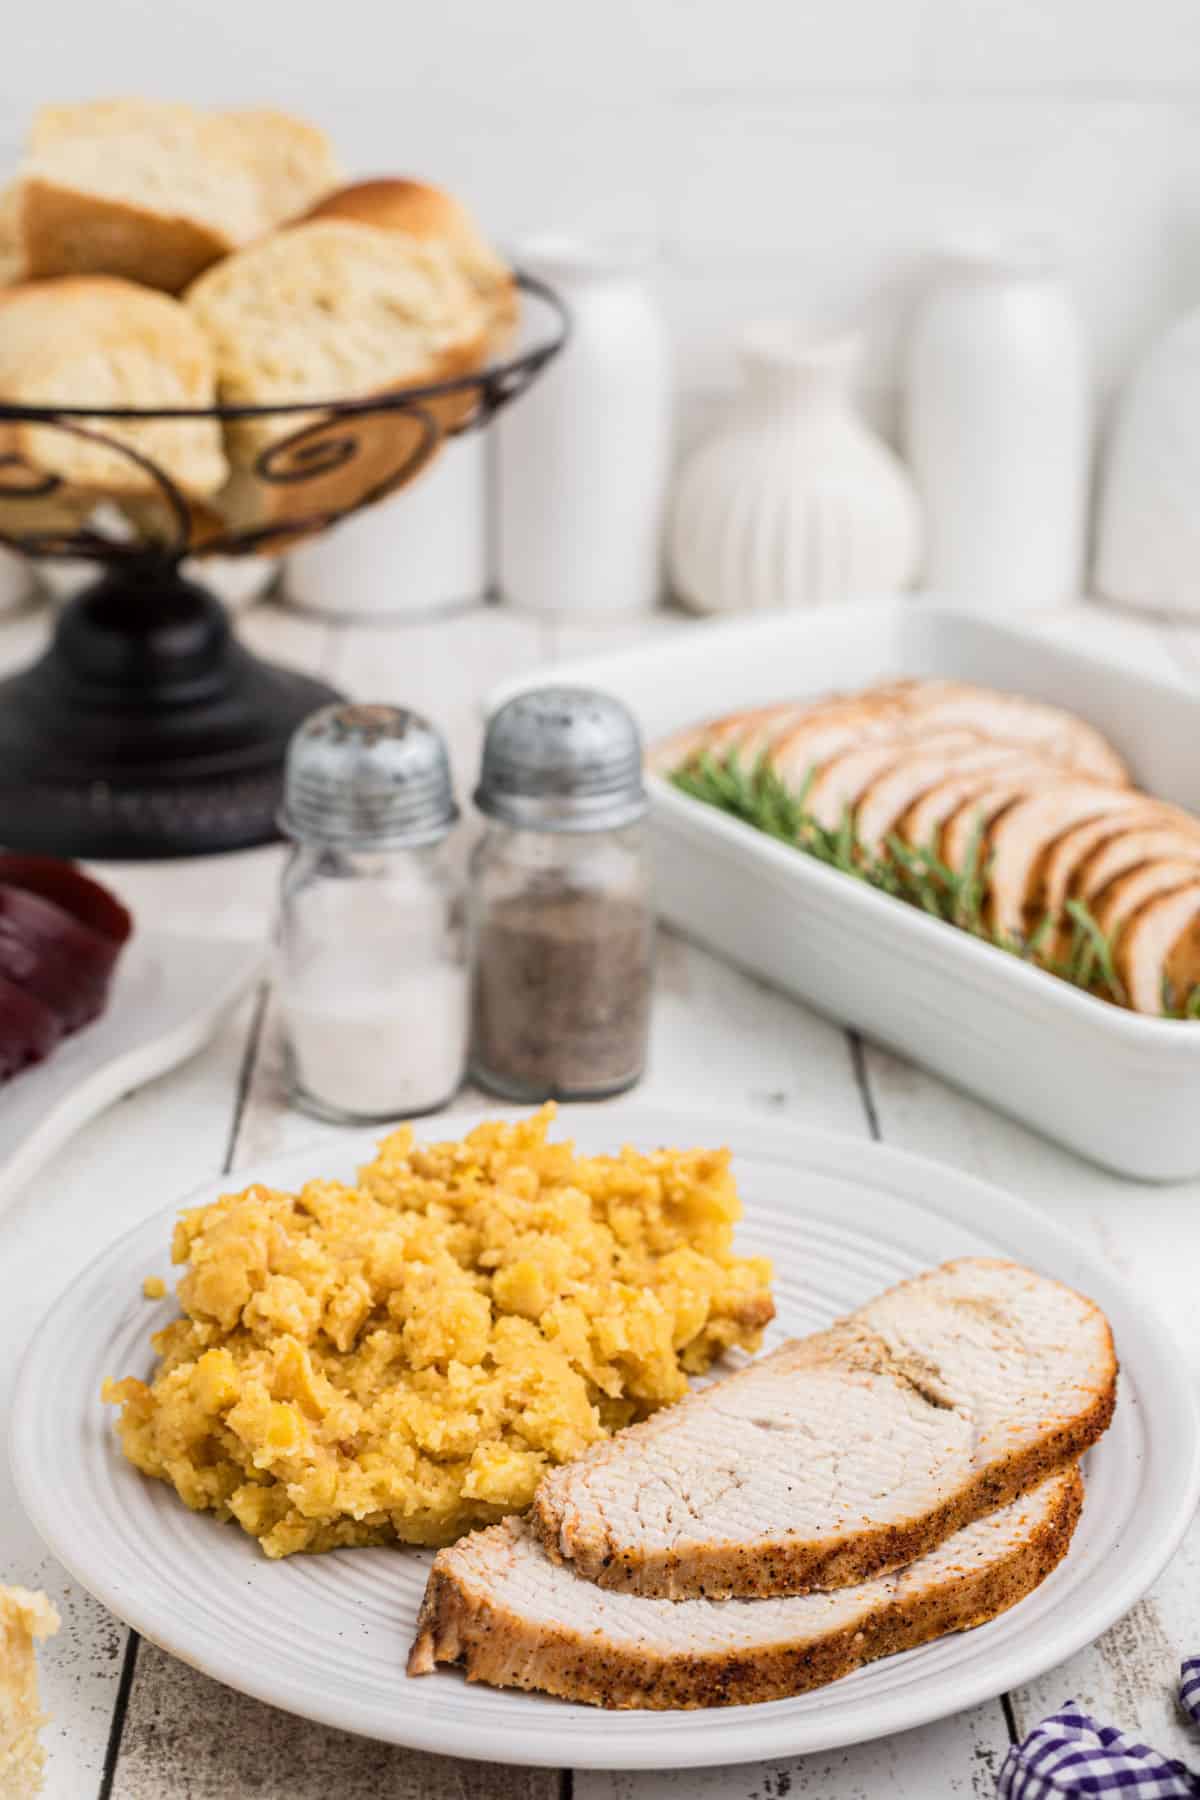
x,y
1099,949
916,875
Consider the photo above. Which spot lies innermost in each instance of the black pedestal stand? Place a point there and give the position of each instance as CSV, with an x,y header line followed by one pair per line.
x,y
146,729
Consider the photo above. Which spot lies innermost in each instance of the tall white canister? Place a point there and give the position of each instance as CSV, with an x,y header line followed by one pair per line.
x,y
583,458
998,425
419,552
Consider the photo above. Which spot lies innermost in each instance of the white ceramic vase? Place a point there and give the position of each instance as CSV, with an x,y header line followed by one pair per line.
x,y
795,502
1148,530
420,552
583,457
998,434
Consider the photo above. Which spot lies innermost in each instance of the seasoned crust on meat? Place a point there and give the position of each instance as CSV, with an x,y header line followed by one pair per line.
x,y
499,1607
846,1453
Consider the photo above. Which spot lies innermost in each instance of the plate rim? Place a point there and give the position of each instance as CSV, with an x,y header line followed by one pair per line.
x,y
752,1735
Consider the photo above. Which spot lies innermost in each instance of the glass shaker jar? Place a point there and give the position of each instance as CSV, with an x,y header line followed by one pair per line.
x,y
560,906
370,958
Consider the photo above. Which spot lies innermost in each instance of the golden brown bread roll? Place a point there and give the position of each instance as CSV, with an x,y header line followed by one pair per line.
x,y
292,161
432,216
331,310
141,189
157,192
98,341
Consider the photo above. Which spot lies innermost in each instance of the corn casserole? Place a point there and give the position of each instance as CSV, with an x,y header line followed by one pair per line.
x,y
403,1359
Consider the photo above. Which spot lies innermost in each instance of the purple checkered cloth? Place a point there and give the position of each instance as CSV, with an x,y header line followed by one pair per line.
x,y
1070,1755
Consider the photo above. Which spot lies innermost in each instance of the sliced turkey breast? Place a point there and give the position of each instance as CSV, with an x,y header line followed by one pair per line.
x,y
747,734
1022,838
1068,853
827,732
1127,849
927,821
933,707
498,1606
965,833
846,1453
1011,719
884,803
838,785
1125,896
1158,952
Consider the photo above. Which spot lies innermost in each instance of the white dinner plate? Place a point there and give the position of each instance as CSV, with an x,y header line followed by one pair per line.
x,y
326,1636
168,996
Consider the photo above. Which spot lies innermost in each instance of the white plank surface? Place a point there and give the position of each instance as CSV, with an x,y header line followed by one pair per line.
x,y
718,1038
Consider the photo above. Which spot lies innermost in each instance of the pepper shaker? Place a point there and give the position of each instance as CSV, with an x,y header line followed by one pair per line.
x,y
371,966
560,911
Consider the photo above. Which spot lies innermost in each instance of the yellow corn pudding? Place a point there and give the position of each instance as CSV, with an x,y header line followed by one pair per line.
x,y
402,1359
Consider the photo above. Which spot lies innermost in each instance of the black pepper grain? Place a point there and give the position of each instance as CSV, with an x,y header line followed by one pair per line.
x,y
561,994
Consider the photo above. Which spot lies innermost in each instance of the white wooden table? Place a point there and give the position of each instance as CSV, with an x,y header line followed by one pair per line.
x,y
130,1723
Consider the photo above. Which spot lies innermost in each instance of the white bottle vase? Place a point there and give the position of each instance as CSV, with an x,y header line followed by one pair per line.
x,y
1148,533
795,502
419,552
998,435
583,457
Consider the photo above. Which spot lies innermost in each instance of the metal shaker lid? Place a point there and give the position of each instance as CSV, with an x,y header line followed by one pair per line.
x,y
562,759
367,778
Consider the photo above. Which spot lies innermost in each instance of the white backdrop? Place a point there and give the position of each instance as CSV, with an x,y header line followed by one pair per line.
x,y
783,155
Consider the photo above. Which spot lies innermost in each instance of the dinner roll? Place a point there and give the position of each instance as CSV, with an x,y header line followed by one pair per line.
x,y
432,216
99,341
292,161
12,254
332,311
141,189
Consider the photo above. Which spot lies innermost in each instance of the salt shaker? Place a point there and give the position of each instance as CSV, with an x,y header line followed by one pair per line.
x,y
371,969
561,919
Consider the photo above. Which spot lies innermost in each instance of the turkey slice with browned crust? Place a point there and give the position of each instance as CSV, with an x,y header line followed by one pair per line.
x,y
925,825
1049,731
838,785
1020,840
883,805
829,731
965,835
1128,849
1125,896
847,1452
1069,852
749,733
1158,952
497,1605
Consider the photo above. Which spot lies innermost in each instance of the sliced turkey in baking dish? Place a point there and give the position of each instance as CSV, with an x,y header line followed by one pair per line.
x,y
1125,897
837,787
884,804
845,1453
1018,842
1051,731
497,1605
723,737
1128,848
925,709
1072,850
1158,952
964,838
925,825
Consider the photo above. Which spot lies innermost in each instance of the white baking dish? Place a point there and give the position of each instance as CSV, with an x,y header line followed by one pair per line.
x,y
1121,1089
